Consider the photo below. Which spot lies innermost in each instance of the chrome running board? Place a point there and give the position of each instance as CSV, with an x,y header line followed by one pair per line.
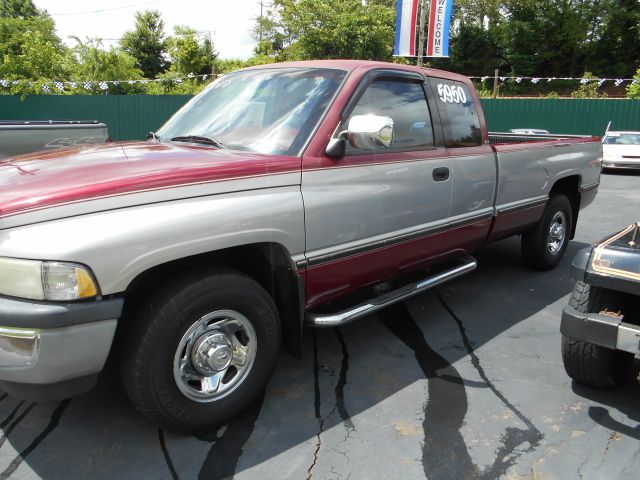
x,y
325,320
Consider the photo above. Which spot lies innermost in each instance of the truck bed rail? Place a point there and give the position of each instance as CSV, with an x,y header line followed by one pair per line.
x,y
505,137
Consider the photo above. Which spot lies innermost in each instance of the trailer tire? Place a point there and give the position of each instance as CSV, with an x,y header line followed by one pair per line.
x,y
589,364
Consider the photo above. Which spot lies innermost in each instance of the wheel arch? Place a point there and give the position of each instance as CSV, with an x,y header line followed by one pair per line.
x,y
570,187
269,264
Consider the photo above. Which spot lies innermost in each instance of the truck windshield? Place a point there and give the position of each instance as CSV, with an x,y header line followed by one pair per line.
x,y
271,111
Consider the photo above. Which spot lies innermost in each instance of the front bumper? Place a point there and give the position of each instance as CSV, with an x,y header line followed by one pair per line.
x,y
621,164
54,348
604,330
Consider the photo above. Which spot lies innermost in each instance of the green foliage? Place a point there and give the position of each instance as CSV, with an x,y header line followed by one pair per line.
x,y
615,51
533,38
170,84
633,90
588,89
307,29
146,43
30,49
189,54
89,61
21,9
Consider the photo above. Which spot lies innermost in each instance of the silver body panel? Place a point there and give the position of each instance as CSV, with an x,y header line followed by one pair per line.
x,y
352,206
474,184
120,244
56,354
529,173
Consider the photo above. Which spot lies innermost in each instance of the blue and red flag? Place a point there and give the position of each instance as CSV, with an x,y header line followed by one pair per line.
x,y
406,28
439,23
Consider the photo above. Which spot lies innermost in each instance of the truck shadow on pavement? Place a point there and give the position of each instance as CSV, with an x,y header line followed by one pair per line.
x,y
622,401
354,389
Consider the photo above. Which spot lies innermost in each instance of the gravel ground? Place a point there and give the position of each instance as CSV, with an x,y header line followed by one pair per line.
x,y
462,382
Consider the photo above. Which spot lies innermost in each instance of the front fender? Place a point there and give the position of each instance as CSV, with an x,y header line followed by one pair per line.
x,y
120,244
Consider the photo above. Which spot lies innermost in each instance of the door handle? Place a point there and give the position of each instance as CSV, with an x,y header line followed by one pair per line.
x,y
440,174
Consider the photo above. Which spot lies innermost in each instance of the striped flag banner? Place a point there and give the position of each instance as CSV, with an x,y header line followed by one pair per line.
x,y
439,23
406,28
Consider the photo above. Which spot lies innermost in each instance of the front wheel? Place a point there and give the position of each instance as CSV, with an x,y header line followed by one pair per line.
x,y
545,244
201,351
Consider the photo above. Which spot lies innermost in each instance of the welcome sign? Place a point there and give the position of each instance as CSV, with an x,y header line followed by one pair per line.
x,y
439,25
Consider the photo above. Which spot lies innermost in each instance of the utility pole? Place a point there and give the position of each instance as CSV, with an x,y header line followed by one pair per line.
x,y
260,22
495,83
423,14
213,64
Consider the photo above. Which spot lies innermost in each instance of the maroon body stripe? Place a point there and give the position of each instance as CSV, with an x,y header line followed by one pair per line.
x,y
516,221
332,280
41,180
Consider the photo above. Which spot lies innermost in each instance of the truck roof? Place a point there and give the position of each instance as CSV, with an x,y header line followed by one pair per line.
x,y
351,65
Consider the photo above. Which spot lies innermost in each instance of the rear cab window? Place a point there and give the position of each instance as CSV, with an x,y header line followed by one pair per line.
x,y
458,113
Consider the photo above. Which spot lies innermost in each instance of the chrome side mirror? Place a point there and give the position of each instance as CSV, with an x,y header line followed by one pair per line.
x,y
370,132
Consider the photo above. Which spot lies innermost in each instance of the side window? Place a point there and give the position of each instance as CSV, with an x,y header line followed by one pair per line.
x,y
460,120
405,103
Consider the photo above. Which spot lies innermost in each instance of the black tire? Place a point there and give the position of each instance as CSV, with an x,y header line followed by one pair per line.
x,y
536,243
151,344
590,364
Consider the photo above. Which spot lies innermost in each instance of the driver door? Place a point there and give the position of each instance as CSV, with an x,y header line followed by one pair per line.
x,y
376,214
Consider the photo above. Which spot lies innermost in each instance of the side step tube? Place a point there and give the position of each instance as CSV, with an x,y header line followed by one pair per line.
x,y
326,320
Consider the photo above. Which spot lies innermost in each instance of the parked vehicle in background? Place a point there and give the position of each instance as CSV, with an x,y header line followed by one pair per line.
x,y
288,194
621,150
25,136
601,325
529,131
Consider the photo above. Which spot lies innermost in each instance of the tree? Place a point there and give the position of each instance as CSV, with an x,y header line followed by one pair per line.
x,y
633,90
305,29
146,43
88,61
29,46
589,87
21,9
473,51
189,54
617,50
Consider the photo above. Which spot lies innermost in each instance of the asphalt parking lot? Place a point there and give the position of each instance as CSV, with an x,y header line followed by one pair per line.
x,y
462,382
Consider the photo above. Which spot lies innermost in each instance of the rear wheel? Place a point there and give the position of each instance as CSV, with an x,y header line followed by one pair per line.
x,y
543,246
585,362
201,351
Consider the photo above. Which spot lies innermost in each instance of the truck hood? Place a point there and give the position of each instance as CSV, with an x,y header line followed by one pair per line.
x,y
46,179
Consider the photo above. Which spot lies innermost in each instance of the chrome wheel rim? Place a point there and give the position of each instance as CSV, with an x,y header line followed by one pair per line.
x,y
557,233
214,356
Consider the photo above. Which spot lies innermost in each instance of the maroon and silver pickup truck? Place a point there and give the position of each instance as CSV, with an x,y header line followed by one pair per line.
x,y
285,195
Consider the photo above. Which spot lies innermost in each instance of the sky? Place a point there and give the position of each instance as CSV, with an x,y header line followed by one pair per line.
x,y
228,21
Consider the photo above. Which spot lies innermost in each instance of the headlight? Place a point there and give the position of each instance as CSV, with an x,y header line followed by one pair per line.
x,y
38,280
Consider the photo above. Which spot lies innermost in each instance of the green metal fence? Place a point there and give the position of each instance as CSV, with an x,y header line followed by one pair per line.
x,y
564,115
130,117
